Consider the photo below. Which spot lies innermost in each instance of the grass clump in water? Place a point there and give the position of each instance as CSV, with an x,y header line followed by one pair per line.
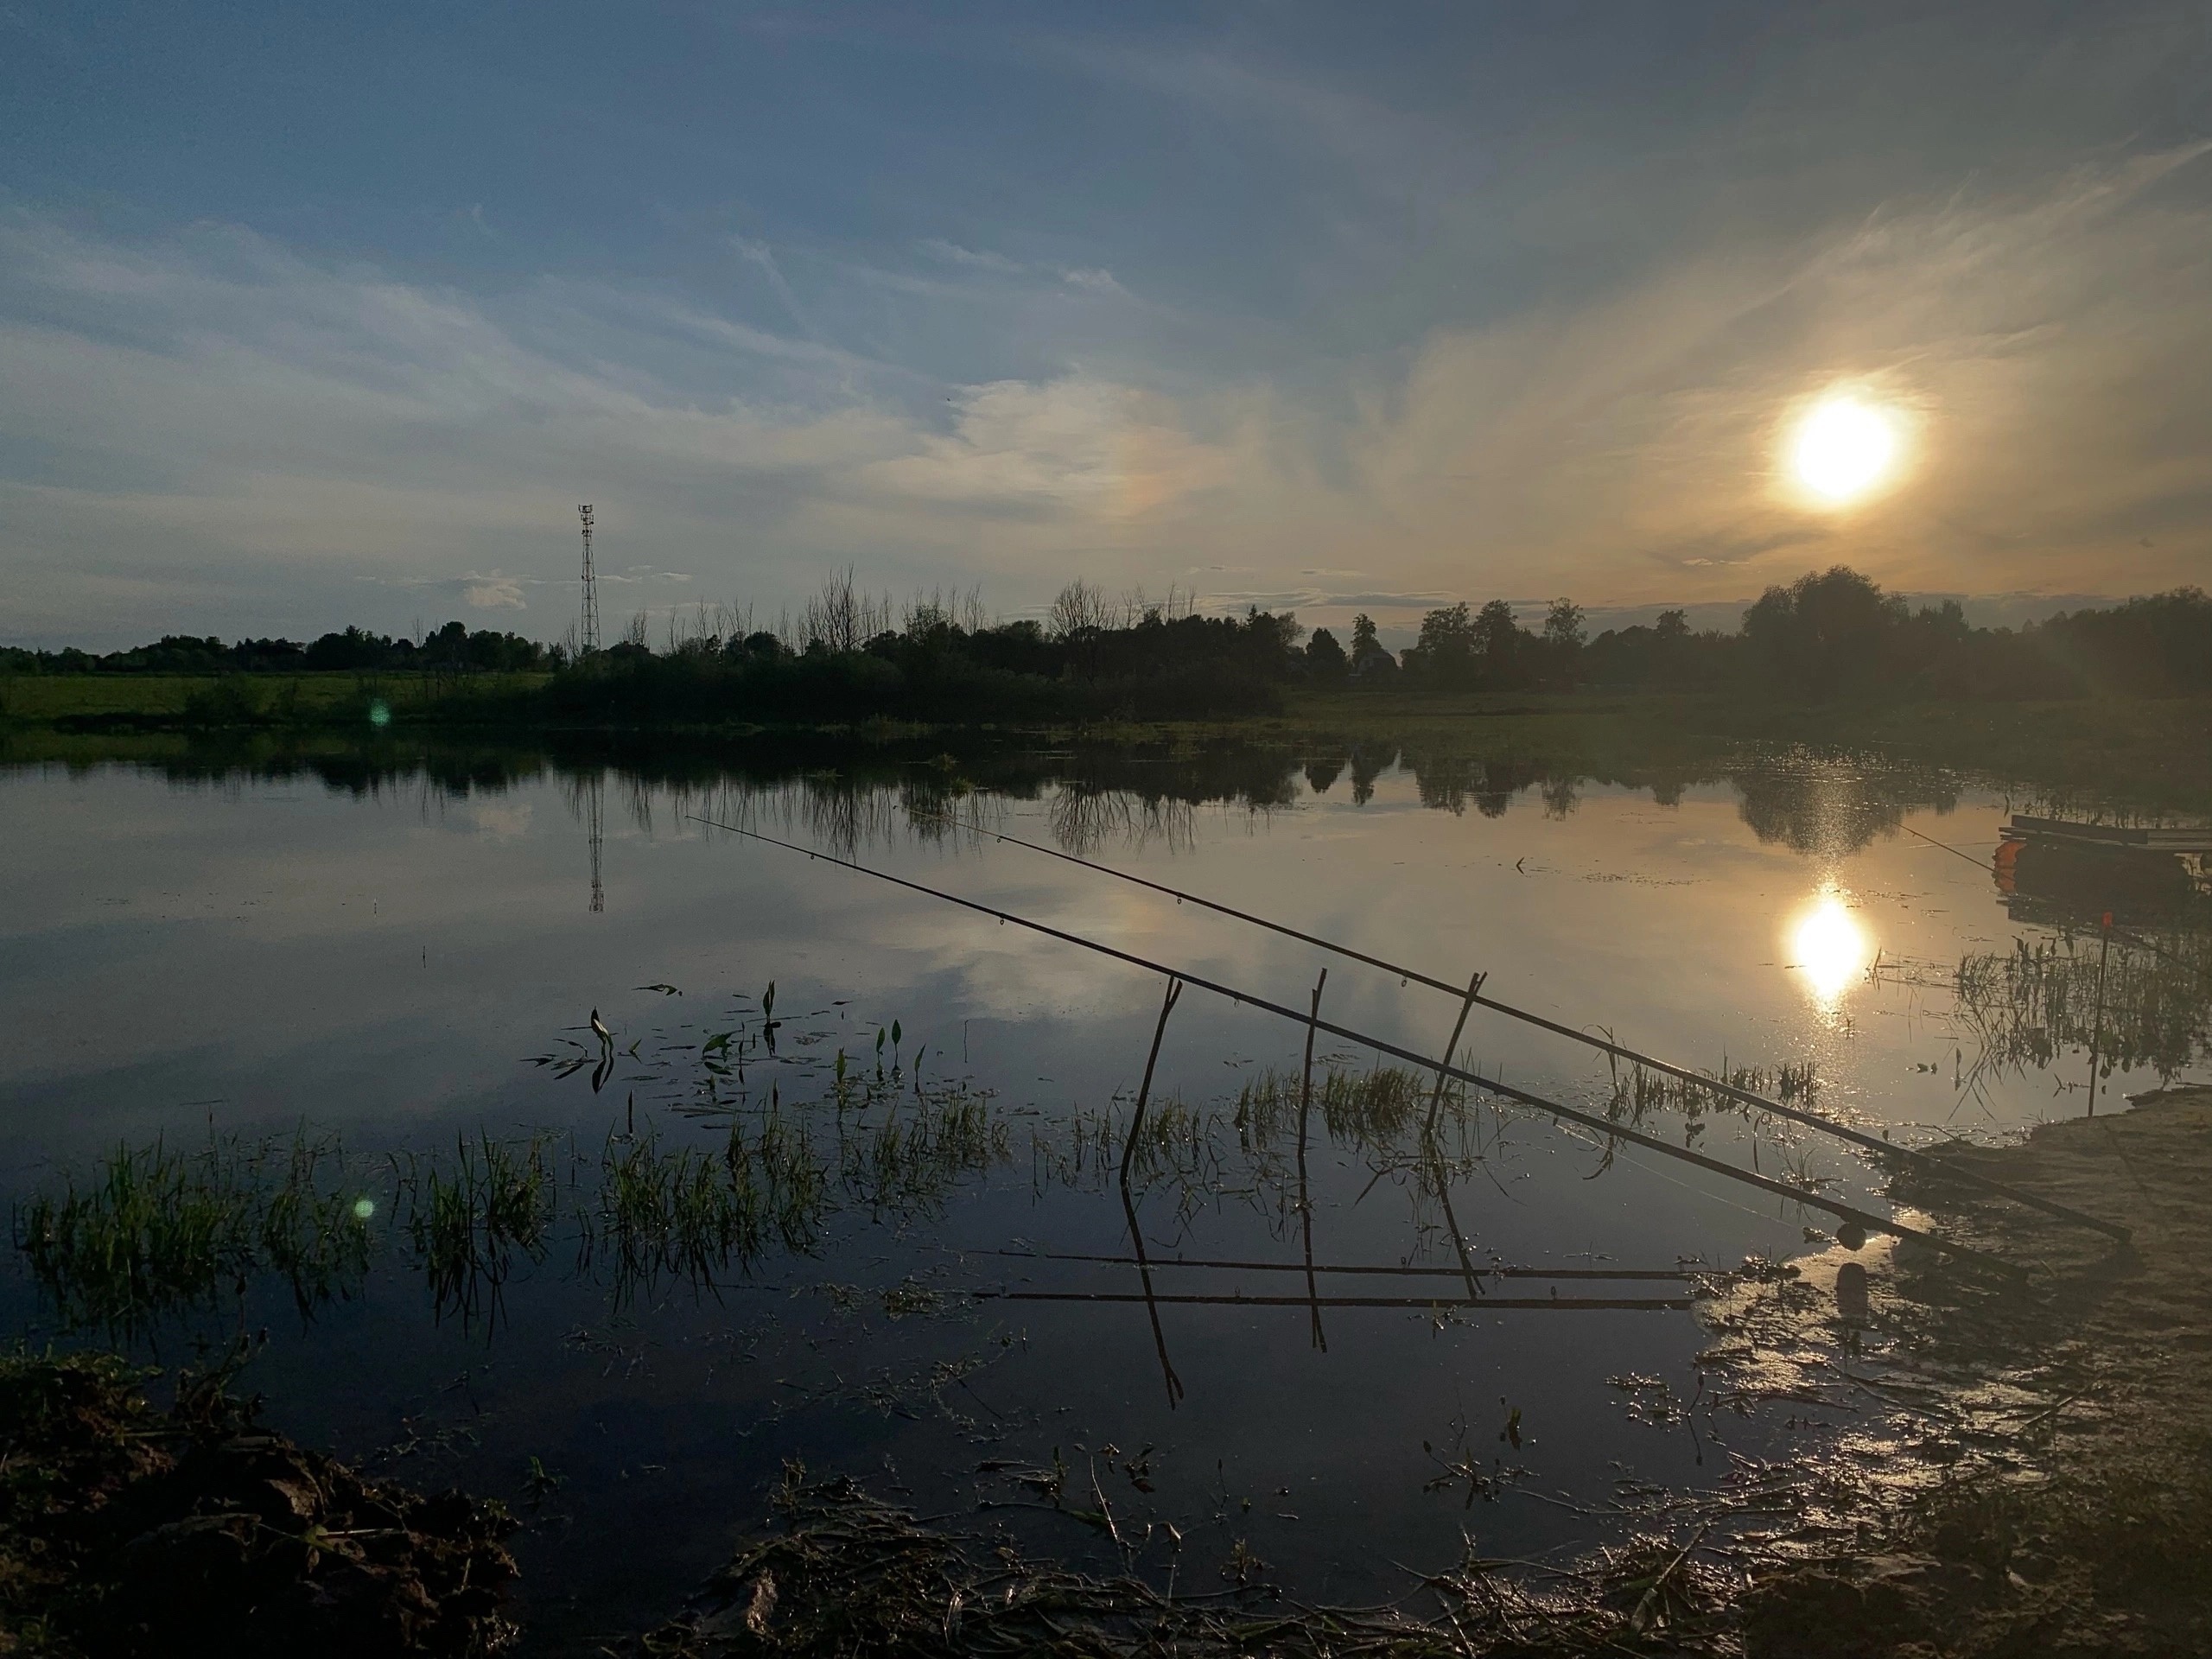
x,y
922,1149
689,1214
157,1228
468,1224
1364,1110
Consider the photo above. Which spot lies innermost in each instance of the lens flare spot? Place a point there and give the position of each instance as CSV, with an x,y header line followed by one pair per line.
x,y
1828,946
379,713
364,1208
1843,448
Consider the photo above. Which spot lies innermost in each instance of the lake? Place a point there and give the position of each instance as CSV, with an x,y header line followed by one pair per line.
x,y
882,1224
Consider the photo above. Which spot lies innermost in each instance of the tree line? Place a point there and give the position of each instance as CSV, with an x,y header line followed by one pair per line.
x,y
452,648
849,654
1833,633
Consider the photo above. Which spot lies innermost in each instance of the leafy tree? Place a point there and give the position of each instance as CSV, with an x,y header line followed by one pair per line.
x,y
1563,629
1826,633
1325,659
1446,650
1369,658
1497,640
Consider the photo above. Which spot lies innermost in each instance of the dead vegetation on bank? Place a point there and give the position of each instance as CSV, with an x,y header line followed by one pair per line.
x,y
129,1530
846,1574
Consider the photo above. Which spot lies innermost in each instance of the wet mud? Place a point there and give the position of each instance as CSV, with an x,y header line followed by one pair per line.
x,y
2072,1513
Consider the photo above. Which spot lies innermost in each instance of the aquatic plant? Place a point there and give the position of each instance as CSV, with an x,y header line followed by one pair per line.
x,y
468,1223
2143,1005
921,1148
1362,1110
1636,1092
156,1228
688,1214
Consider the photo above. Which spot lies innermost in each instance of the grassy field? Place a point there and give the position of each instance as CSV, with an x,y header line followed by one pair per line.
x,y
237,699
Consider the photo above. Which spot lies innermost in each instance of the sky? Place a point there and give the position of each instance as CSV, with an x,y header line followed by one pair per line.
x,y
319,314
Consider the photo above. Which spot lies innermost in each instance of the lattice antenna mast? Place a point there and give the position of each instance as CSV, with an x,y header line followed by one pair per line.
x,y
589,640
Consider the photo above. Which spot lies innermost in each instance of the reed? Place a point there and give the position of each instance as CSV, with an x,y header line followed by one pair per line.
x,y
468,1224
1363,1111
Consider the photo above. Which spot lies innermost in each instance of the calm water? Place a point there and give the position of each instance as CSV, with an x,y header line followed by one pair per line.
x,y
394,953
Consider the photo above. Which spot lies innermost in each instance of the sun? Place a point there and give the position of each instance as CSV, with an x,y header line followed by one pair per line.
x,y
1844,448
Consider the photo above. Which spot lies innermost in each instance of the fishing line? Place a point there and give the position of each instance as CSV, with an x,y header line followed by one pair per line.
x,y
1605,1045
1565,1114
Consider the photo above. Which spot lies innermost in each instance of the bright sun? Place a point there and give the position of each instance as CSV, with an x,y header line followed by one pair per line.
x,y
1843,448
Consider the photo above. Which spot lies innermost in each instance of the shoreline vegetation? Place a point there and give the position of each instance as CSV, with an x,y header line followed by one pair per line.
x,y
2116,701
1829,636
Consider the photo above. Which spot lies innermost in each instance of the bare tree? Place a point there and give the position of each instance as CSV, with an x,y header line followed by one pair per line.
x,y
1080,607
841,617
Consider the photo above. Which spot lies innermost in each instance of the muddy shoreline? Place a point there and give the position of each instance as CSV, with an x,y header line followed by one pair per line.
x,y
2091,1530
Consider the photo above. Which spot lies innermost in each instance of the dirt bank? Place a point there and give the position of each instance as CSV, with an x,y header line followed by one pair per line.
x,y
2100,1538
130,1530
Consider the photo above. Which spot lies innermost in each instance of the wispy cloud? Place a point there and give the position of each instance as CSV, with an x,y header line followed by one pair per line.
x,y
974,258
759,254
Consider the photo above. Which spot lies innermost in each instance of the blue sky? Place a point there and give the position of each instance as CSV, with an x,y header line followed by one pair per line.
x,y
311,314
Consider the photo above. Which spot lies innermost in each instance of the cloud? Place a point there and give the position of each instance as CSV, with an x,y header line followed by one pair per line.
x,y
493,592
1093,282
758,253
243,421
975,259
1079,442
208,430
1723,547
2050,346
1088,279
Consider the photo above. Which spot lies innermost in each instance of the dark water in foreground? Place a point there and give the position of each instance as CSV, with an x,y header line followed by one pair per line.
x,y
392,955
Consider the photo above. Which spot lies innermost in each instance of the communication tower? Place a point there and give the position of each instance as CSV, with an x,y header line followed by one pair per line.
x,y
589,635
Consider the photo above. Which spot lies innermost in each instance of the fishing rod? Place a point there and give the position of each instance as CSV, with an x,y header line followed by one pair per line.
x,y
1866,1218
1682,1273
1744,1096
1484,1303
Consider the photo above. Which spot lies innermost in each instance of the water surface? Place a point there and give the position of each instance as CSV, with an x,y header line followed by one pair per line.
x,y
394,952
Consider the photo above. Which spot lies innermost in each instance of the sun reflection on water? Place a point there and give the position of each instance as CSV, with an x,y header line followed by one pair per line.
x,y
1829,946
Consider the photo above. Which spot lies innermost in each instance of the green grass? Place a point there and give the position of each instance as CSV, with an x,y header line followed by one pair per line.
x,y
229,700
154,1228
